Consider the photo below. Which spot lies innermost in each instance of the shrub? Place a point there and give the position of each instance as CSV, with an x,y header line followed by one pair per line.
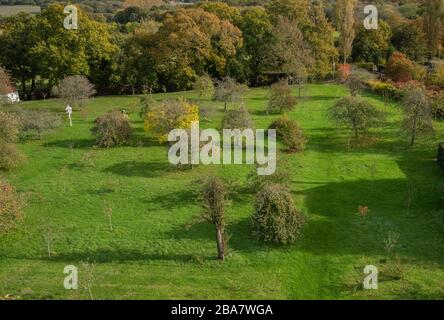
x,y
112,130
437,76
144,105
11,206
290,133
9,127
385,89
10,156
238,118
36,122
276,219
281,98
355,113
168,115
437,103
399,68
357,80
204,87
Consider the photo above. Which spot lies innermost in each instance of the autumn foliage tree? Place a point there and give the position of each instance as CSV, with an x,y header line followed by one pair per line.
x,y
11,207
399,67
169,115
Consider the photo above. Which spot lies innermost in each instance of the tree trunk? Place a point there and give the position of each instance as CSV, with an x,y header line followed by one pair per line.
x,y
24,88
299,85
33,85
225,106
412,143
220,243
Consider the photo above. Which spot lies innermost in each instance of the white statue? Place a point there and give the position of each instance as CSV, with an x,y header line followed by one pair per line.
x,y
69,112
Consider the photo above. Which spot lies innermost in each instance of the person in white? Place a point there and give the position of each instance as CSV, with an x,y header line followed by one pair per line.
x,y
69,112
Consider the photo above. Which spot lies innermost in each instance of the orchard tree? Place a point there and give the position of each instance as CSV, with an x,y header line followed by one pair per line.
x,y
190,42
165,116
281,98
213,200
417,112
256,28
205,87
74,90
434,24
355,113
289,53
345,20
229,90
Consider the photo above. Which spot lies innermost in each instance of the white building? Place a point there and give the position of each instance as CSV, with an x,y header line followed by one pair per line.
x,y
11,97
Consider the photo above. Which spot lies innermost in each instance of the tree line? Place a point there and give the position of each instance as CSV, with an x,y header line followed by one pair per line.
x,y
168,49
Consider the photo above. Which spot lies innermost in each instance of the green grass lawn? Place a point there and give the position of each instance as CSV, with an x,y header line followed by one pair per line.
x,y
152,254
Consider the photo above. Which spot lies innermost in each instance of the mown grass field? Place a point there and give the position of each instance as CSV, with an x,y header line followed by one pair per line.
x,y
154,253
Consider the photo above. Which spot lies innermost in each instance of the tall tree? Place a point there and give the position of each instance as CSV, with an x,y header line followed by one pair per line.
x,y
16,39
345,20
191,42
433,24
293,10
410,39
213,196
320,36
256,28
372,45
60,52
289,53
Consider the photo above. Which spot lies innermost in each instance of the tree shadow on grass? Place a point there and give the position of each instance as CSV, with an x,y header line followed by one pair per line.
x,y
338,230
119,255
140,169
74,143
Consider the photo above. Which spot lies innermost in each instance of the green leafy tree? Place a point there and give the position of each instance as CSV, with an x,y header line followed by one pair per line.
x,y
417,112
276,218
228,90
205,87
18,36
62,52
410,39
345,21
281,98
355,113
372,45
